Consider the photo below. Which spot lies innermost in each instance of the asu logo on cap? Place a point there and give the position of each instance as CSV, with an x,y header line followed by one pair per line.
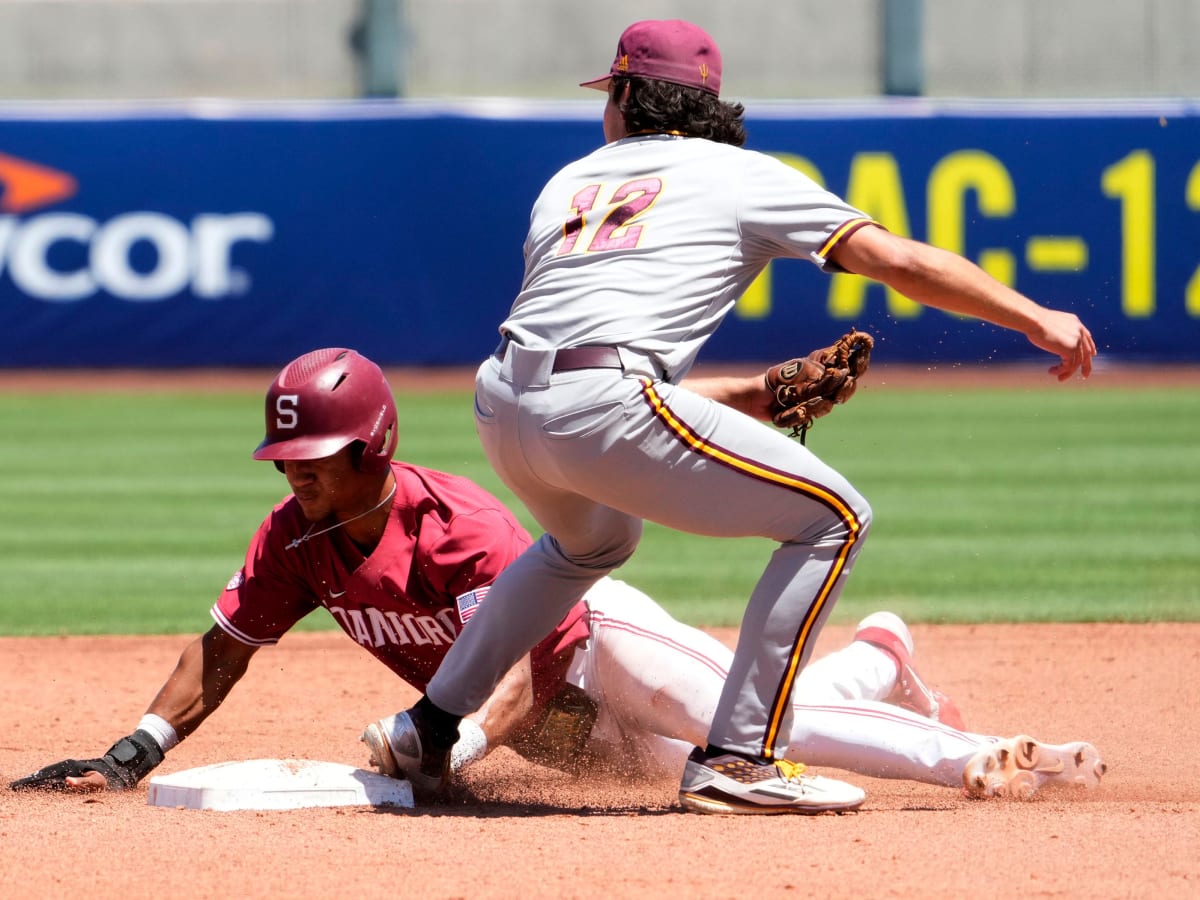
x,y
141,255
671,50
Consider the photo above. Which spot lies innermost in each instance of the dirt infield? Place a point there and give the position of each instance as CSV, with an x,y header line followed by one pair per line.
x,y
519,830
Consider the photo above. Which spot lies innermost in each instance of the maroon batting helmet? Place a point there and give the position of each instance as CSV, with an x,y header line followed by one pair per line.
x,y
326,400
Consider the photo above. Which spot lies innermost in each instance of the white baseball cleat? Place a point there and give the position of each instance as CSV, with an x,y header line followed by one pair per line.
x,y
380,752
732,784
399,749
1019,767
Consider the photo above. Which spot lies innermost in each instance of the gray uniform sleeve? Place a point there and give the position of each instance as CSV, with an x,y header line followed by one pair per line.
x,y
785,213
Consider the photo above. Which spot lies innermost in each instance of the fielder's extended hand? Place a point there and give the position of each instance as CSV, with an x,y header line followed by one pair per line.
x,y
126,763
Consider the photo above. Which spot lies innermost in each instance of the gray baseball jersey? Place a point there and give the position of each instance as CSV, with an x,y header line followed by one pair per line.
x,y
643,247
648,242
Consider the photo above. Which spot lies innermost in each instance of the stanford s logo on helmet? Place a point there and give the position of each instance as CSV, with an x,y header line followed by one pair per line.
x,y
326,400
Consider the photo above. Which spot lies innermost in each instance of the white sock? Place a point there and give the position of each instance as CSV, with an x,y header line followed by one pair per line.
x,y
160,729
470,747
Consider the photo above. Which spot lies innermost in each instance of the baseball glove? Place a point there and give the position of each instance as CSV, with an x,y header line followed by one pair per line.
x,y
809,387
558,735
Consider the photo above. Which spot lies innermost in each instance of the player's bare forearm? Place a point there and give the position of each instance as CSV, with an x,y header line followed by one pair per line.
x,y
935,277
947,281
746,393
207,670
208,667
508,707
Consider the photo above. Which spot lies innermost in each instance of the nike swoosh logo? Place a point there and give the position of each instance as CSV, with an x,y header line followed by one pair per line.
x,y
28,186
333,595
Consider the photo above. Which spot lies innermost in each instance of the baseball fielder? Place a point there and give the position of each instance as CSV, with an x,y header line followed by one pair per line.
x,y
635,254
402,557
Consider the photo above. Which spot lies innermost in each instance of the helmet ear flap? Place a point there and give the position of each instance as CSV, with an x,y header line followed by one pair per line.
x,y
373,463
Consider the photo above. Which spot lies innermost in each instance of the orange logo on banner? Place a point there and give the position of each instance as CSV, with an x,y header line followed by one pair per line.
x,y
25,185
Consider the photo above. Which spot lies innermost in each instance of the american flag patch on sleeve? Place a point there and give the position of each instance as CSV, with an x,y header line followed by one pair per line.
x,y
469,602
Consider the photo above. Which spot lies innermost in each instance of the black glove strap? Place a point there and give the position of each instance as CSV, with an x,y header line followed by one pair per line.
x,y
126,763
132,758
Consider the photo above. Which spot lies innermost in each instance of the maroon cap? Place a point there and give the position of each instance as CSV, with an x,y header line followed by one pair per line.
x,y
671,50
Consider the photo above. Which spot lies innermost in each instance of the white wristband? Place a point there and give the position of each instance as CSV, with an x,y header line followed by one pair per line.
x,y
470,747
160,729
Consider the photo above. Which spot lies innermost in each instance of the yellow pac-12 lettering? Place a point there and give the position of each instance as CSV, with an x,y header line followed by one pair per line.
x,y
876,188
1131,180
950,180
755,302
1192,292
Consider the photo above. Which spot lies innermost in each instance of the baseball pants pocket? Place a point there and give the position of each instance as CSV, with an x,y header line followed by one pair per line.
x,y
581,423
483,412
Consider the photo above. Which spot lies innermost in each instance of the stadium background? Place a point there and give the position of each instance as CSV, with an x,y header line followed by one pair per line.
x,y
202,183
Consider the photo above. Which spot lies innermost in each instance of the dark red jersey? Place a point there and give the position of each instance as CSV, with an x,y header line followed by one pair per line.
x,y
445,542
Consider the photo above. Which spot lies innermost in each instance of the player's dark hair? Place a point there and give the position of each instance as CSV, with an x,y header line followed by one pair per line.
x,y
661,107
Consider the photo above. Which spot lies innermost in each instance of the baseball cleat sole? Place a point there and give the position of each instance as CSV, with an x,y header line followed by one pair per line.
x,y
728,806
1019,767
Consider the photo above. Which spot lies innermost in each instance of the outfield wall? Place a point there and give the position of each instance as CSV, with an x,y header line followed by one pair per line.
x,y
218,234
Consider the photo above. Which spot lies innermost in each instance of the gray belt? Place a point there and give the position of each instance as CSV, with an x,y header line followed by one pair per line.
x,y
569,359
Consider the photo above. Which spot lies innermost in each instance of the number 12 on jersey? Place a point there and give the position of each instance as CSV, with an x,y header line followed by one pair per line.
x,y
616,230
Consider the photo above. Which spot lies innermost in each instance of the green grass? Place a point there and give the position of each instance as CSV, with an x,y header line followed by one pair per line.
x,y
1033,506
128,512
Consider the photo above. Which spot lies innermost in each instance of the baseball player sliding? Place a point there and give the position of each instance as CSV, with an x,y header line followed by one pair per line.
x,y
403,557
635,254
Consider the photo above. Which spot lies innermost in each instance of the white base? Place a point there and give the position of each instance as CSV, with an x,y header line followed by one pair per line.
x,y
277,784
